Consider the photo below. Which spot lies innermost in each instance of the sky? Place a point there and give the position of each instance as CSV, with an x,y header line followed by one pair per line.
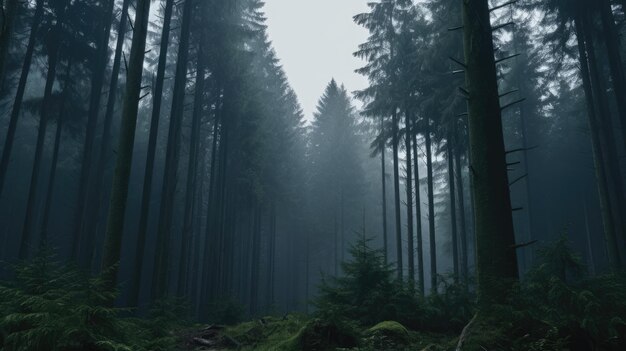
x,y
314,40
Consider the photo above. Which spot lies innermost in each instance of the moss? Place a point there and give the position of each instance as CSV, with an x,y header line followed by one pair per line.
x,y
318,335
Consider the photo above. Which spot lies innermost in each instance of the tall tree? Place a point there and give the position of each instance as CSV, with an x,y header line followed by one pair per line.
x,y
495,240
19,95
121,178
146,193
172,157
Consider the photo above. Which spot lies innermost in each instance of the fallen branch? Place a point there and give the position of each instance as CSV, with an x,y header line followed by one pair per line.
x,y
465,334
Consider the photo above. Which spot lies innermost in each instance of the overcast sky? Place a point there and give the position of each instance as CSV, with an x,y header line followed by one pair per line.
x,y
315,40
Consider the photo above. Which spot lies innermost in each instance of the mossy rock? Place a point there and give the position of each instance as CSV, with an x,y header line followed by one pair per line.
x,y
388,335
319,335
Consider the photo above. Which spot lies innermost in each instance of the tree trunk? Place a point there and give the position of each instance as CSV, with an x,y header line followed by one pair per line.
x,y
271,257
106,152
409,200
82,245
396,190
612,41
599,156
9,13
614,175
30,219
383,179
19,95
256,258
55,157
418,211
192,167
121,177
431,209
161,262
464,264
208,255
495,239
590,261
452,191
146,196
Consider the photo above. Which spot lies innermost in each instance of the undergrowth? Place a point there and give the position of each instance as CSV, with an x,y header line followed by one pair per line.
x,y
49,306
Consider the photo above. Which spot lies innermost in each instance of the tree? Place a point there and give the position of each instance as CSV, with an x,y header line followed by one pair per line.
x,y
19,95
152,143
119,192
495,241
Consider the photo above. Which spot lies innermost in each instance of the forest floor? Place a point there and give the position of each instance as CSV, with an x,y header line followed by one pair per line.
x,y
296,332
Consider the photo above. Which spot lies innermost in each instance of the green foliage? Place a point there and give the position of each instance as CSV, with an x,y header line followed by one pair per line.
x,y
52,307
556,307
225,311
558,292
269,333
368,294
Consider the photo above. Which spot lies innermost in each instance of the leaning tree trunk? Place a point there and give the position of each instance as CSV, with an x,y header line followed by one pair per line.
x,y
495,240
431,208
19,95
191,173
106,152
6,34
30,219
418,211
396,191
82,243
144,213
161,261
121,177
599,157
452,191
409,200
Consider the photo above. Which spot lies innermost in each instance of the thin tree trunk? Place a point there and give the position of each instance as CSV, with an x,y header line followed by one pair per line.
x,y
431,209
461,196
590,260
192,167
121,177
271,256
208,255
383,179
256,254
43,240
19,95
598,153
396,190
82,245
495,239
30,219
452,191
9,13
146,196
409,200
161,262
418,212
105,145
